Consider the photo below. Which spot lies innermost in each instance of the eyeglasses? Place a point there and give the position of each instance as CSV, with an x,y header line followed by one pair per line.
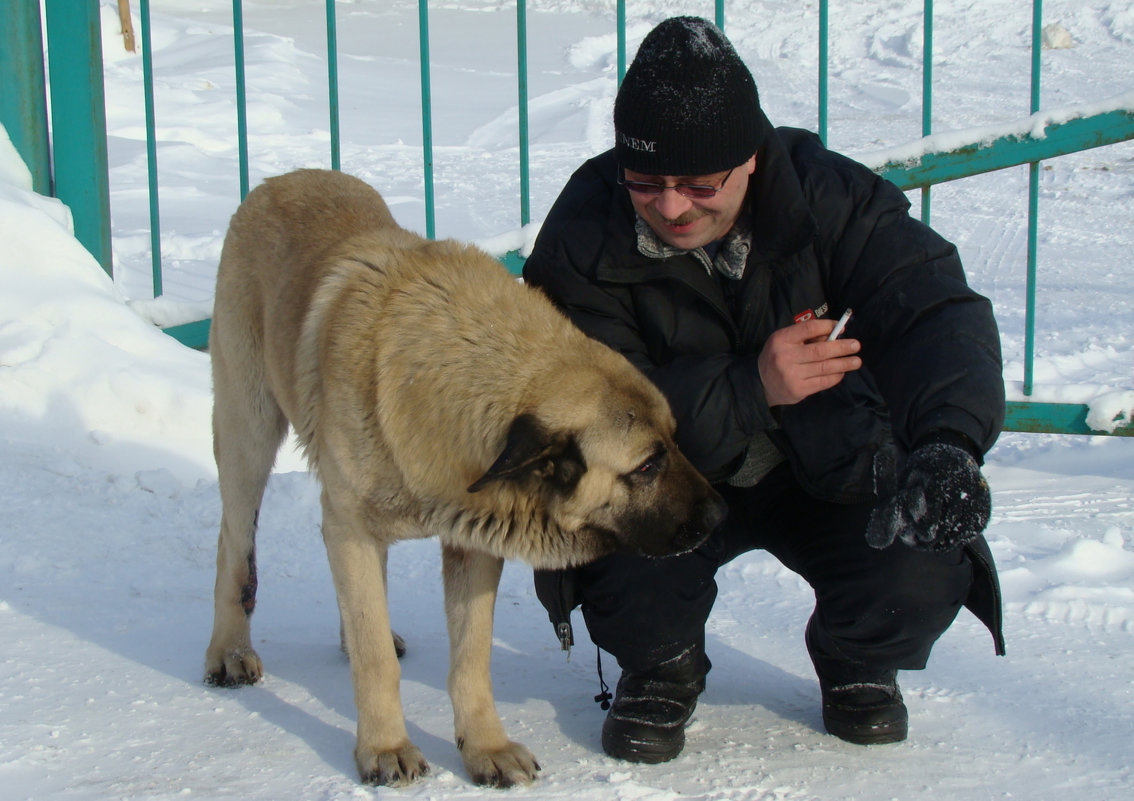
x,y
694,191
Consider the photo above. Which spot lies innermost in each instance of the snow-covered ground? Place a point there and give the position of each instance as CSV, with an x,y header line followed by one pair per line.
x,y
108,498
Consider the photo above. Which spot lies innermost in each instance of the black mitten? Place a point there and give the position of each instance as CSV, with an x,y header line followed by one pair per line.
x,y
940,502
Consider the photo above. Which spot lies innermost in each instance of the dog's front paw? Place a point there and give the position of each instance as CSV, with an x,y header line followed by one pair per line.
x,y
501,767
396,767
233,668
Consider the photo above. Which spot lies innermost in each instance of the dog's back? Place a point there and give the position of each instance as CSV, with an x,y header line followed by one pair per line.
x,y
319,285
275,241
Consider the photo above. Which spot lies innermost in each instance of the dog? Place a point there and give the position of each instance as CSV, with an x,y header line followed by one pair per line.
x,y
433,394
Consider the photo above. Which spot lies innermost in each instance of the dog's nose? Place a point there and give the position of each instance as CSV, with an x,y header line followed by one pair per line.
x,y
707,515
711,512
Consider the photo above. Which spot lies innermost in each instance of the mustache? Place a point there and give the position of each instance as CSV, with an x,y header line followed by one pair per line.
x,y
690,216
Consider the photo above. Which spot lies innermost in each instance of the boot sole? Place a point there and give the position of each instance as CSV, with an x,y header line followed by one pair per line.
x,y
647,752
893,731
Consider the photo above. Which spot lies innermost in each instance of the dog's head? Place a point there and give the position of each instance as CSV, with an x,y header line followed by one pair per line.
x,y
598,462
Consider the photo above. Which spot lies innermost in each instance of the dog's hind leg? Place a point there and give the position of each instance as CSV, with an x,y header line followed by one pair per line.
x,y
471,580
383,751
248,428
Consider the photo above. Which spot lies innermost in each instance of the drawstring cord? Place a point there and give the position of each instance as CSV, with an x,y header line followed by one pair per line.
x,y
603,698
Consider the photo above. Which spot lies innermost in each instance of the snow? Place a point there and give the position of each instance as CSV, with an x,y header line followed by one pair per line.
x,y
110,508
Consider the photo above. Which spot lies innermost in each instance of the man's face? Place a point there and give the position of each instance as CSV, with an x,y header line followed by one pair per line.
x,y
689,223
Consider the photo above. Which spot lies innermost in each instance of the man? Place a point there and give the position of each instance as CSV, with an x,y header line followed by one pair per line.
x,y
715,252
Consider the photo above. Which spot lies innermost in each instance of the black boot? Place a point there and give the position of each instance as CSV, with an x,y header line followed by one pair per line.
x,y
860,705
865,712
646,721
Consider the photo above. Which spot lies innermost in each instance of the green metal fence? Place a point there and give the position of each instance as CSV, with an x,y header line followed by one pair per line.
x,y
74,168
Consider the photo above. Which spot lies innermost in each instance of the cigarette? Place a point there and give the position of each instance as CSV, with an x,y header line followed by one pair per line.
x,y
839,326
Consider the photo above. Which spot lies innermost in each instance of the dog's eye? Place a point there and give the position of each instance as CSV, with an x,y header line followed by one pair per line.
x,y
649,469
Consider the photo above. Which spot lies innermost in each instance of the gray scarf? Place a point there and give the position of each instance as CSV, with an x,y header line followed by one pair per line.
x,y
731,257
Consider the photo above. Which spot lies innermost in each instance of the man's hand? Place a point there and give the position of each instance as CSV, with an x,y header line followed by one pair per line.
x,y
940,503
798,361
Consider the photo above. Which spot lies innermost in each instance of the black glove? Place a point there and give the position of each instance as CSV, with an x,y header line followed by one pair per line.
x,y
940,502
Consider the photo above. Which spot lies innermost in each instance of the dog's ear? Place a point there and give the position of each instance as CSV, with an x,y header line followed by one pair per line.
x,y
531,451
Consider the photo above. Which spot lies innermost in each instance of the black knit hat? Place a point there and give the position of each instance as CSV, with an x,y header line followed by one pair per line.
x,y
687,105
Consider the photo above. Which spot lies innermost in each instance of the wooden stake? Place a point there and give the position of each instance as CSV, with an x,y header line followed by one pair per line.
x,y
127,24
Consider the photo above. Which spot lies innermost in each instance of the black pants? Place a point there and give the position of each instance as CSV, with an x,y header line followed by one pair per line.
x,y
876,608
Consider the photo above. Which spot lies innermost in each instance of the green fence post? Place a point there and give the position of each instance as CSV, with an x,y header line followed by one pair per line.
x,y
241,95
78,121
23,103
823,67
620,36
426,118
151,149
333,83
1033,212
927,93
522,100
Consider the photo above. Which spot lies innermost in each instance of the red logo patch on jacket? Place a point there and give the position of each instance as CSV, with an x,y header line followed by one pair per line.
x,y
812,314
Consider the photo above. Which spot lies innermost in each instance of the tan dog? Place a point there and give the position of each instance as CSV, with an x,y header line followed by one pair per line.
x,y
434,395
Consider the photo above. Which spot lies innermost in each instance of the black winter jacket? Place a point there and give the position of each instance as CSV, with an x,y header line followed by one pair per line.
x,y
828,234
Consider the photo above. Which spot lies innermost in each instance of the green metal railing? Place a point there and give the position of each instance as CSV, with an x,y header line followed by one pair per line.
x,y
80,176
